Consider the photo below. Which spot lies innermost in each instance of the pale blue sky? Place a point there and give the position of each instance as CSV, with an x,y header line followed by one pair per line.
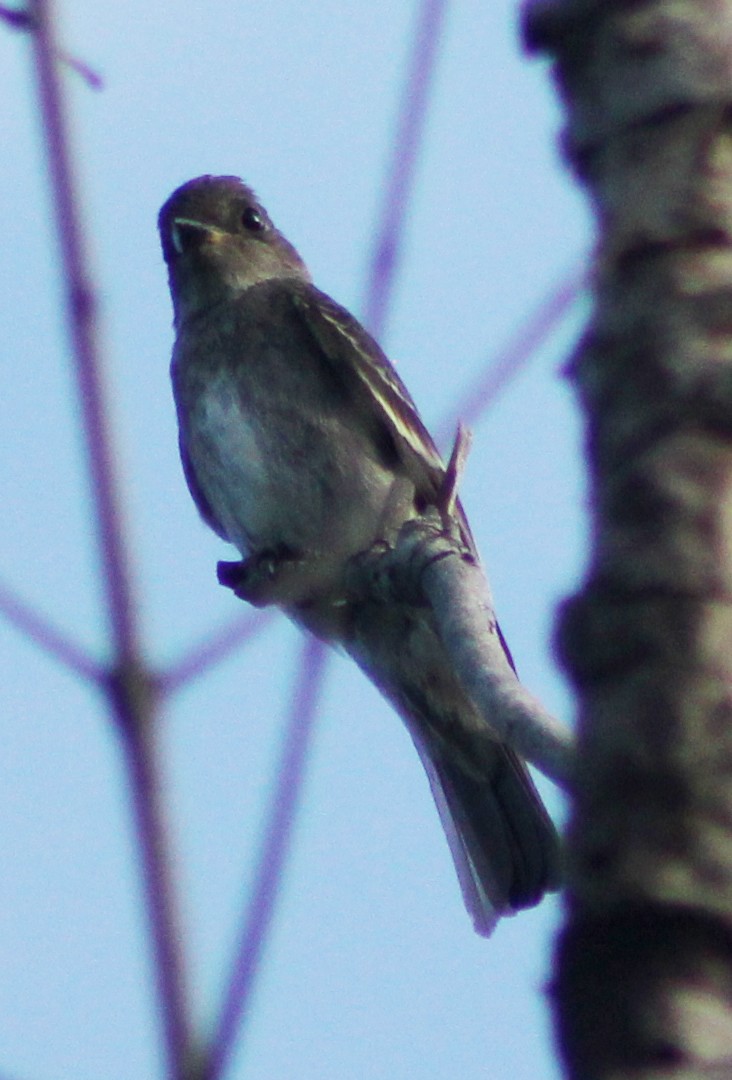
x,y
373,970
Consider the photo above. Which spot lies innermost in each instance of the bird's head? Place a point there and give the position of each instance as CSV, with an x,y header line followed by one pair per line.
x,y
218,240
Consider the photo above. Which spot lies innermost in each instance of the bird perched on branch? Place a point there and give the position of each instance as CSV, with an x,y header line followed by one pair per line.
x,y
302,447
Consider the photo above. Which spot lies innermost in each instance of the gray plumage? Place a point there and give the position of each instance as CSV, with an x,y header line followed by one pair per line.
x,y
302,447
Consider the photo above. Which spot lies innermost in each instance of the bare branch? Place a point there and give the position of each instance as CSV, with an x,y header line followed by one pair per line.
x,y
447,497
91,77
429,566
513,357
135,697
81,311
131,685
274,851
48,637
21,19
18,18
406,144
212,650
459,597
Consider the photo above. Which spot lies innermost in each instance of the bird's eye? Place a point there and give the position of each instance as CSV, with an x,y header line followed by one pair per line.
x,y
252,219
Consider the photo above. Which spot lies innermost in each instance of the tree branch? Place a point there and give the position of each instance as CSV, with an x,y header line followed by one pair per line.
x,y
130,682
428,566
275,847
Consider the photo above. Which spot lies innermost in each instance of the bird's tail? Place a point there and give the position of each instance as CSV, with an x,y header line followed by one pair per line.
x,y
503,843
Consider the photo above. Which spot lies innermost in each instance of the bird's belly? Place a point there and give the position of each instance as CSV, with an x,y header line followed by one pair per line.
x,y
295,478
227,460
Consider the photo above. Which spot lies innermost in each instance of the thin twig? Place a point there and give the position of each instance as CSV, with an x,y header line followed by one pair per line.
x,y
448,494
48,637
213,649
274,850
497,375
91,77
17,18
155,848
405,147
21,19
81,310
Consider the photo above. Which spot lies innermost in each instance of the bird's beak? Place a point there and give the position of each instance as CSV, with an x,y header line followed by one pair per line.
x,y
186,231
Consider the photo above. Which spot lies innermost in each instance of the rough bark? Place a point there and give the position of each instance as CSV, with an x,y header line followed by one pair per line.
x,y
643,985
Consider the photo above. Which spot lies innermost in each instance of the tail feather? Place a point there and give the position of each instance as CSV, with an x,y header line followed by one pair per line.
x,y
479,879
503,844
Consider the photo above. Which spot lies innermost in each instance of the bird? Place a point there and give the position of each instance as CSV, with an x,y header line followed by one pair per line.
x,y
302,447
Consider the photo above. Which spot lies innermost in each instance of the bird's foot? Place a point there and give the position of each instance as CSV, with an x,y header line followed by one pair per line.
x,y
259,579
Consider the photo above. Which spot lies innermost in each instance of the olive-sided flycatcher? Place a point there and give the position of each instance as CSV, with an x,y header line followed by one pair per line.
x,y
302,447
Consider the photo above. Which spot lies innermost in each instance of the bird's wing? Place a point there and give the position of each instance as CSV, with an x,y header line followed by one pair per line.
x,y
358,361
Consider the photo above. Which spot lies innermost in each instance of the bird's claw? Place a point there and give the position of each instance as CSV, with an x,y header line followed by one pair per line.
x,y
256,579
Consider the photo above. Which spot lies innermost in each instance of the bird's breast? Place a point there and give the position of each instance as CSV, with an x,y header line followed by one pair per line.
x,y
279,466
225,445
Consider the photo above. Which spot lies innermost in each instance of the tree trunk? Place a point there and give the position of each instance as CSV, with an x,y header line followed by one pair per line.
x,y
643,983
